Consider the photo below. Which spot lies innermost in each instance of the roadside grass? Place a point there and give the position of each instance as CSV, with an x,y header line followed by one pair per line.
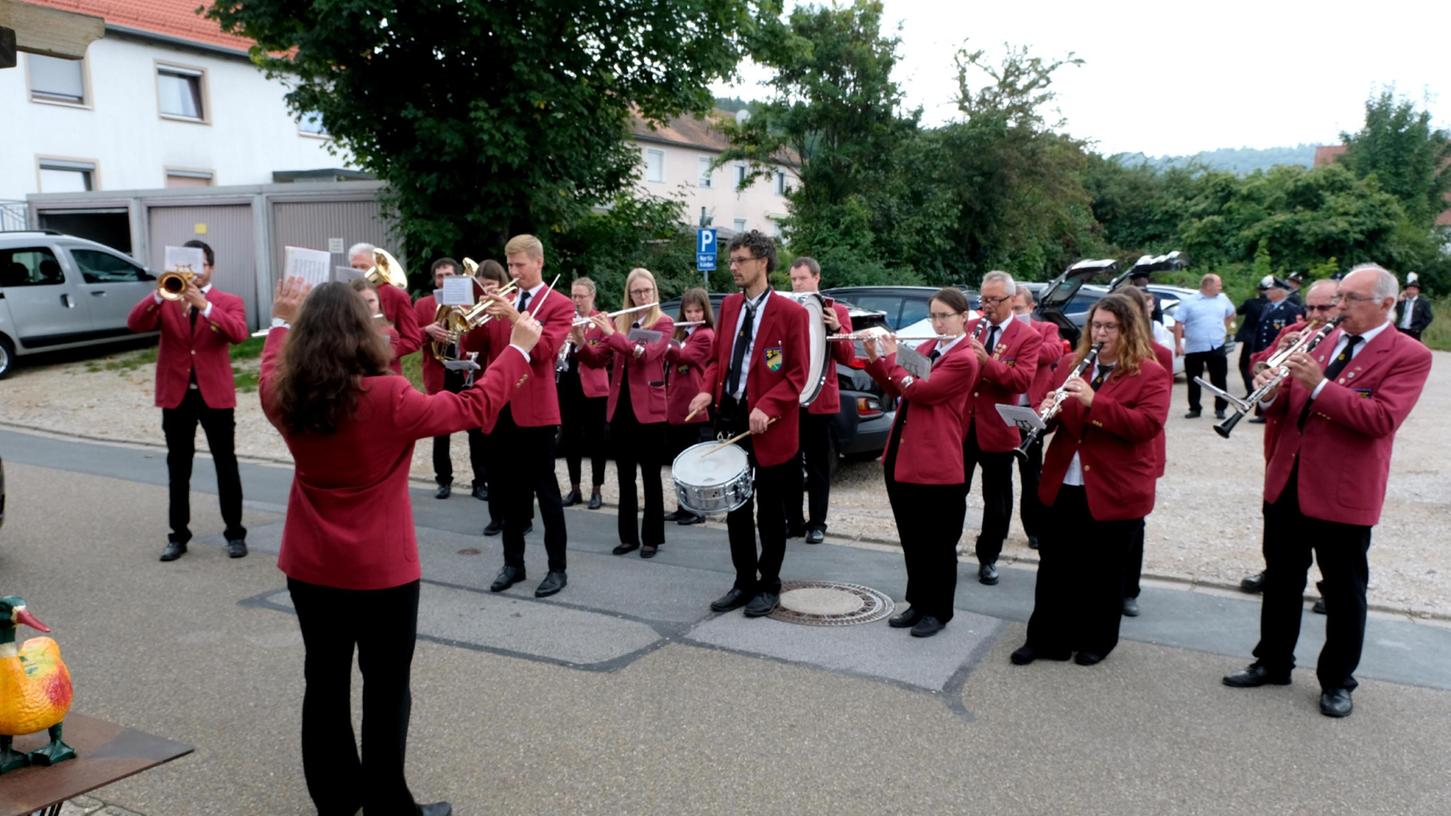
x,y
1438,334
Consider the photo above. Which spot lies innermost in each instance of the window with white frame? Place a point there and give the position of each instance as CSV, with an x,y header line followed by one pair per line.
x,y
188,178
780,182
740,175
57,80
311,124
181,92
67,176
740,225
703,172
654,165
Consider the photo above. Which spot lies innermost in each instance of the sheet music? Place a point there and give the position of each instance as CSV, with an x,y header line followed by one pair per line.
x,y
184,259
346,274
1021,416
644,336
915,363
458,291
312,265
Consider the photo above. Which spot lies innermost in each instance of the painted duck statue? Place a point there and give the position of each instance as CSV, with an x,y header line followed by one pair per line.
x,y
35,689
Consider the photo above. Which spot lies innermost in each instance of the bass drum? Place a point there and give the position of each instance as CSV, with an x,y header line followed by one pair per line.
x,y
818,355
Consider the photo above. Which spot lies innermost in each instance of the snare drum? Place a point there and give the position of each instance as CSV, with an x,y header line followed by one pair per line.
x,y
718,483
818,356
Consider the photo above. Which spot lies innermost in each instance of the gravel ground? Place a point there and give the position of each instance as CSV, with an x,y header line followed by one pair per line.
x,y
1206,529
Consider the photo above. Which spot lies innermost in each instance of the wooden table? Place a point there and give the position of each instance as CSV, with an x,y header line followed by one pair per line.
x,y
106,752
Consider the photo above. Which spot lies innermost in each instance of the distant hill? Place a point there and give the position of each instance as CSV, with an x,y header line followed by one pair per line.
x,y
1238,160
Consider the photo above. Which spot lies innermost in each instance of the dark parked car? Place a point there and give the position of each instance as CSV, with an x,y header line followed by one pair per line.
x,y
861,427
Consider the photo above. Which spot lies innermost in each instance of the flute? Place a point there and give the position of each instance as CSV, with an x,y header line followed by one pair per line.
x,y
585,321
871,335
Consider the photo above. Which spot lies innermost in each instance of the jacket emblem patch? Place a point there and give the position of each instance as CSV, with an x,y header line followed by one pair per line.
x,y
775,357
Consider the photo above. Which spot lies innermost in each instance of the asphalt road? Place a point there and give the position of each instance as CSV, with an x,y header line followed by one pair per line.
x,y
624,695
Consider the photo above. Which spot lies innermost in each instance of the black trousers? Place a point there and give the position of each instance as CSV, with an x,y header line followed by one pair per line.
x,y
1078,599
643,445
583,430
1134,562
1341,549
529,453
997,494
764,511
333,621
1217,363
179,426
1030,508
929,521
815,485
453,382
1244,372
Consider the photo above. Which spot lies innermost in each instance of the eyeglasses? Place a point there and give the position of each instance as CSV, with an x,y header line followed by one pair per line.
x,y
939,316
993,301
647,290
1310,307
1108,327
742,259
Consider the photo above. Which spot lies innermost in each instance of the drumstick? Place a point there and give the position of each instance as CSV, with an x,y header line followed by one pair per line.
x,y
689,416
738,437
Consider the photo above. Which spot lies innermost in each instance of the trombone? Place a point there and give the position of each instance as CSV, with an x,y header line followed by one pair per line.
x,y
1306,342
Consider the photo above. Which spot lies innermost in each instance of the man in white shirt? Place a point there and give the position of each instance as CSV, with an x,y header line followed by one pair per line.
x,y
1202,323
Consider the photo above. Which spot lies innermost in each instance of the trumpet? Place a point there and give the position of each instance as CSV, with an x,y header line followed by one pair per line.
x,y
172,285
1058,397
1306,343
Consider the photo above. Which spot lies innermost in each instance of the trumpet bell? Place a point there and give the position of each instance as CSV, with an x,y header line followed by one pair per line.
x,y
387,271
172,285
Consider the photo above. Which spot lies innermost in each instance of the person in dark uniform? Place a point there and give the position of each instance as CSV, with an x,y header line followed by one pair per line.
x,y
1413,312
1279,311
1249,321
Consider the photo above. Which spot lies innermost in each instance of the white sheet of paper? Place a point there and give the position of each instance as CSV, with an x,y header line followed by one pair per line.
x,y
1020,416
312,265
916,364
643,336
458,291
460,365
184,259
346,274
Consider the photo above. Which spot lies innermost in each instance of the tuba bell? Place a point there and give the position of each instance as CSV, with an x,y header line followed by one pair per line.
x,y
387,271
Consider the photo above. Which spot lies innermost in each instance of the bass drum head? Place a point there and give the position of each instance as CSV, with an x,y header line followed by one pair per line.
x,y
818,356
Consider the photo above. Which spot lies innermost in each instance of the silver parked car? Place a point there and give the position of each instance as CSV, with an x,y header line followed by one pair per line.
x,y
60,292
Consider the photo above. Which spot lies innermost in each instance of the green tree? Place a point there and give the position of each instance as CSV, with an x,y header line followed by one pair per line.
x,y
1410,158
492,117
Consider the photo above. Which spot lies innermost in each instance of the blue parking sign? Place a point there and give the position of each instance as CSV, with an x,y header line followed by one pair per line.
x,y
705,249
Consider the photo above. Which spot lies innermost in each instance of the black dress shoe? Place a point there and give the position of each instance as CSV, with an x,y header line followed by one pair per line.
x,y
987,574
1259,420
572,498
1254,584
1193,414
436,809
928,626
906,619
443,492
1319,607
1032,542
236,548
493,528
1220,415
480,492
507,577
763,604
1131,607
815,536
691,518
1254,676
595,502
1087,658
1336,703
552,583
173,551
649,550
734,599
621,549
1027,654
680,514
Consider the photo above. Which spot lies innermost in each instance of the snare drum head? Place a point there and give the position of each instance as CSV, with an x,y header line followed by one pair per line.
x,y
722,467
818,356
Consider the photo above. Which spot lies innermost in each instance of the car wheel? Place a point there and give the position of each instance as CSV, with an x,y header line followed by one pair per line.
x,y
7,356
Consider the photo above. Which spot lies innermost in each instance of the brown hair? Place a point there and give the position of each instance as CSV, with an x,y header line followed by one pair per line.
x,y
952,298
493,270
695,297
333,344
1135,342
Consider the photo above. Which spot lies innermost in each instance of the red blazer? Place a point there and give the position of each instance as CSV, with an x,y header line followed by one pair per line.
x,y
1007,373
594,380
773,381
423,311
207,346
686,364
537,405
398,308
647,372
1048,356
1273,423
1165,356
1344,450
1114,440
930,451
349,519
829,400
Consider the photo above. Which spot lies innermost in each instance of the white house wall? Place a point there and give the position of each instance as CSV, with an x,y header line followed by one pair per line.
x,y
248,135
759,205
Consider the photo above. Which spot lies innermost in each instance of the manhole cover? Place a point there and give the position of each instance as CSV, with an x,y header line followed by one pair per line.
x,y
828,603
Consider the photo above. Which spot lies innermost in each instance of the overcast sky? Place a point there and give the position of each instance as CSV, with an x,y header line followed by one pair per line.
x,y
1174,78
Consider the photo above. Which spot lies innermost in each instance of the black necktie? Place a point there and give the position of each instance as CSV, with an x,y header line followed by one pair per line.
x,y
738,354
1103,374
934,354
523,300
1333,370
992,339
192,314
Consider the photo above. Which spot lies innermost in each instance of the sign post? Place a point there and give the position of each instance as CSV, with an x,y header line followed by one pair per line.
x,y
705,252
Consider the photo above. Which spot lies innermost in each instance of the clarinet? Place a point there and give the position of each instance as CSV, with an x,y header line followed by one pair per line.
x,y
1059,397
